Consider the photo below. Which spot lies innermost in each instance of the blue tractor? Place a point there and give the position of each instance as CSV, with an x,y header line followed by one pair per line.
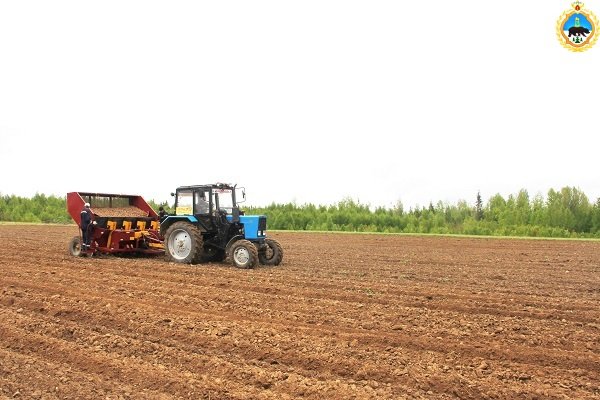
x,y
208,226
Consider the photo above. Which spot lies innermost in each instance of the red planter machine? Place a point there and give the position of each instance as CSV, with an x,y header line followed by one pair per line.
x,y
123,224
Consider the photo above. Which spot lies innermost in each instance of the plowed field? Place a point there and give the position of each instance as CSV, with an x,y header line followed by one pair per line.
x,y
343,317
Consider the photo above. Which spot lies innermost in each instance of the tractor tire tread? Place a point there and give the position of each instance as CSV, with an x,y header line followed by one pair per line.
x,y
277,253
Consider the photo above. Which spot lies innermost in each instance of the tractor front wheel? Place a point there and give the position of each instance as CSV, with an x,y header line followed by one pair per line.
x,y
271,253
184,243
244,254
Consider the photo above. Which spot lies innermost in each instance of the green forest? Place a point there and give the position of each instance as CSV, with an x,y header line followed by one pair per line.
x,y
561,213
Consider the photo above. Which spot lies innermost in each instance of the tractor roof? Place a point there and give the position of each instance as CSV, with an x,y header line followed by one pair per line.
x,y
209,185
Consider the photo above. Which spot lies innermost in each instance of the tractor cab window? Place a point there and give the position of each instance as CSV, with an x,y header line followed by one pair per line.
x,y
224,198
201,202
184,203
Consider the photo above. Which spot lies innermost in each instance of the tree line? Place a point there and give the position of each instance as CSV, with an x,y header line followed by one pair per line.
x,y
562,213
39,209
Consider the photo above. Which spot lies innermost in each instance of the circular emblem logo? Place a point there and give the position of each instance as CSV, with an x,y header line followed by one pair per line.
x,y
576,28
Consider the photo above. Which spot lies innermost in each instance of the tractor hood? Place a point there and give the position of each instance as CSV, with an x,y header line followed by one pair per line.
x,y
255,226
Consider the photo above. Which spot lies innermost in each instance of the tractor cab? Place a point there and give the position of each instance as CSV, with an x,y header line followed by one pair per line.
x,y
207,200
209,226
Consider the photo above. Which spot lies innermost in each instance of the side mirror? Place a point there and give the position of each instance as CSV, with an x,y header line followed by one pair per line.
x,y
243,193
172,194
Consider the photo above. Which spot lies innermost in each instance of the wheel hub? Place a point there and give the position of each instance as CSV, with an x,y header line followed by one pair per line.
x,y
241,255
181,244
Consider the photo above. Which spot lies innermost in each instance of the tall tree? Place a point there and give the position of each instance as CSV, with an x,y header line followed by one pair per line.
x,y
478,207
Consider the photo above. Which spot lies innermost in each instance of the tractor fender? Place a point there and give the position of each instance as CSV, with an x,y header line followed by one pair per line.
x,y
232,241
171,219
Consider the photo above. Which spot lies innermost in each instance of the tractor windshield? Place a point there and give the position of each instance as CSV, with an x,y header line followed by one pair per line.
x,y
184,203
224,198
201,202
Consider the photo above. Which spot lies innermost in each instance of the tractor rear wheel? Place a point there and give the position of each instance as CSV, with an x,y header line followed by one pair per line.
x,y
75,246
271,253
184,243
243,254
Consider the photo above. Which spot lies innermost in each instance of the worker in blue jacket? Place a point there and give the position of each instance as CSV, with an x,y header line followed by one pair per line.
x,y
162,214
87,218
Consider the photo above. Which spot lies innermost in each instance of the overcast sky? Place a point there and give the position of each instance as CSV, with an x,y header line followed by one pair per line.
x,y
306,101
